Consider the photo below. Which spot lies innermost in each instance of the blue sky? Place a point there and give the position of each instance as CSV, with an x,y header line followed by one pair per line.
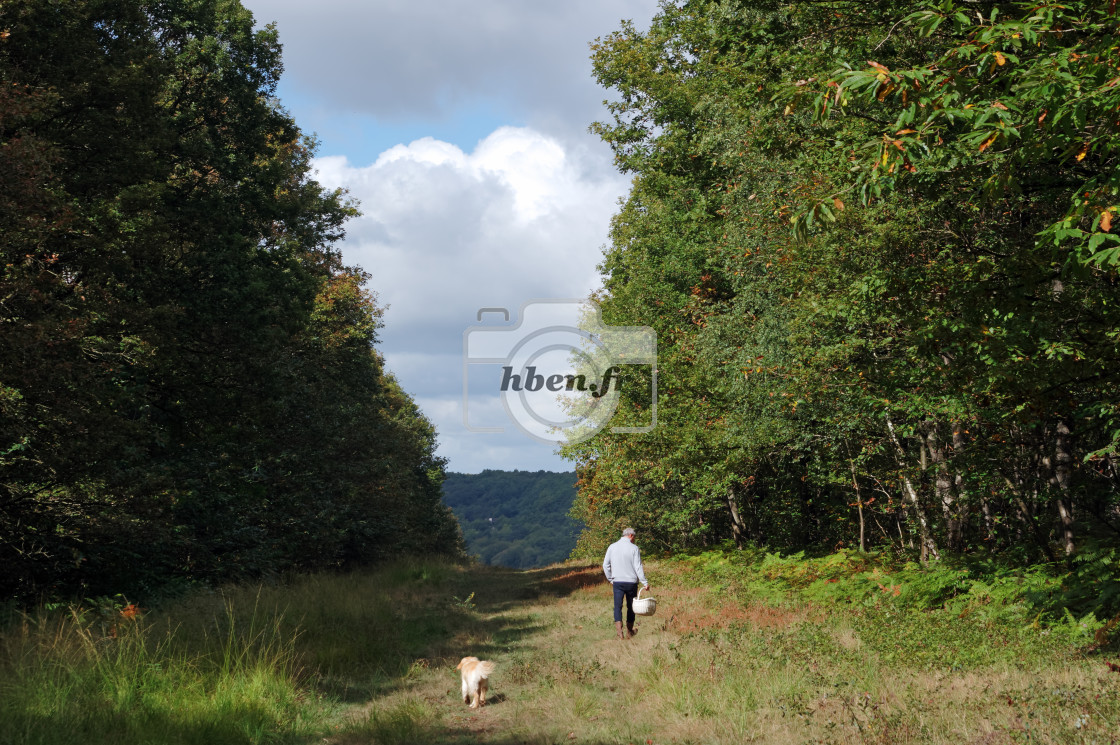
x,y
462,130
361,136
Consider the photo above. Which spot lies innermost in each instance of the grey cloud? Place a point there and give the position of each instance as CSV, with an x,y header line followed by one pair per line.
x,y
401,60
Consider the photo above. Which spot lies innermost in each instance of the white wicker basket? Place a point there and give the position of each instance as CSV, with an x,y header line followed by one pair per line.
x,y
644,606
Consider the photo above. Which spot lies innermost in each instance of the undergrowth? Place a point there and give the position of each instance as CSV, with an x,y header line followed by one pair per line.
x,y
1077,605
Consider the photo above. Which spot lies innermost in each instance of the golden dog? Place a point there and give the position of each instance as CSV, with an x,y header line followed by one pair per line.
x,y
474,672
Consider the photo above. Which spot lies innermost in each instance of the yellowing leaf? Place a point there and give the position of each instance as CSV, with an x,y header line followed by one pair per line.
x,y
837,204
1000,59
1083,152
991,138
877,66
1106,221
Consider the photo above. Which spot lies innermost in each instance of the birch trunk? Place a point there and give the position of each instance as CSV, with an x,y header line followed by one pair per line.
x,y
929,547
943,485
1063,474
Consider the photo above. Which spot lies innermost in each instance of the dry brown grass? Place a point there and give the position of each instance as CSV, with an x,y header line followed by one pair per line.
x,y
727,614
580,578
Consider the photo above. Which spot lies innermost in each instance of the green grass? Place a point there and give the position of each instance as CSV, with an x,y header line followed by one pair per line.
x,y
243,665
66,681
744,647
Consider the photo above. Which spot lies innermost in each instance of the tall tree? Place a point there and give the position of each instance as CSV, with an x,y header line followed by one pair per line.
x,y
189,386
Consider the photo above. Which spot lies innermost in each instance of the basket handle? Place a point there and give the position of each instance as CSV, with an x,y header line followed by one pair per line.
x,y
639,593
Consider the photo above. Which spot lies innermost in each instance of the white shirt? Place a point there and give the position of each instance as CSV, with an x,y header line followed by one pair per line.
x,y
623,562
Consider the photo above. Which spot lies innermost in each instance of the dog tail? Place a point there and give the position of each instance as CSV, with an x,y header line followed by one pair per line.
x,y
486,668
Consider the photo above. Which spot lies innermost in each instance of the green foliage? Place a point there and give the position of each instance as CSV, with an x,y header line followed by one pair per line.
x,y
842,228
1021,93
517,519
190,391
466,603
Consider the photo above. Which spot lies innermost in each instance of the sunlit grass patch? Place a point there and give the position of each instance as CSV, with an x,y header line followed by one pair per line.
x,y
61,676
269,663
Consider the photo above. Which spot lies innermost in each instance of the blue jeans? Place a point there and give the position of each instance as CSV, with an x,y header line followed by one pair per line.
x,y
626,590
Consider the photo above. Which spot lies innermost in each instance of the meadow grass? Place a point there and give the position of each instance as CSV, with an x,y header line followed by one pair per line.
x,y
239,665
65,679
739,651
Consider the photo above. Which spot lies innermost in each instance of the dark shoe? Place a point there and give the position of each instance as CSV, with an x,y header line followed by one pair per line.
x,y
619,632
631,631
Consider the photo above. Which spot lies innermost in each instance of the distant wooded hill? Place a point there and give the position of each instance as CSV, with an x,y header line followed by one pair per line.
x,y
514,518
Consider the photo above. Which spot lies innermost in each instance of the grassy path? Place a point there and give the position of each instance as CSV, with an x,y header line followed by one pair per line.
x,y
368,658
713,667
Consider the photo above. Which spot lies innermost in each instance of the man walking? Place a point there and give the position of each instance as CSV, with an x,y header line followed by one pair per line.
x,y
623,567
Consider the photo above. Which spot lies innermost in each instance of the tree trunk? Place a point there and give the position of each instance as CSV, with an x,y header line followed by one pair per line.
x,y
964,505
738,527
943,485
1063,474
1028,520
859,506
989,523
929,546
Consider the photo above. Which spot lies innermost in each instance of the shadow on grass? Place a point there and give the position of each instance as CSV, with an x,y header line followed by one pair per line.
x,y
443,735
510,588
245,724
495,699
481,611
469,612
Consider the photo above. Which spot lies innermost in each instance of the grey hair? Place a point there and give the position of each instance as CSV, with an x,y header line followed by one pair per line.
x,y
628,531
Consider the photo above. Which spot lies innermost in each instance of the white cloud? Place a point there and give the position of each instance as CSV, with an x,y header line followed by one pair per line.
x,y
445,233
